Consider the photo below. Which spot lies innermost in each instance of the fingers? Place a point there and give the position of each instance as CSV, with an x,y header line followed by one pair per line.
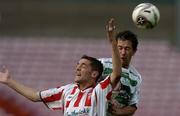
x,y
4,69
110,26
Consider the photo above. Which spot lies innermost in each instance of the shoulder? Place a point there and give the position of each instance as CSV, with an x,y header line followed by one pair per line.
x,y
70,86
107,66
105,60
135,73
65,88
104,83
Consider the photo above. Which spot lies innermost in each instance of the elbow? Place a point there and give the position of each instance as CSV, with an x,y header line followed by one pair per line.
x,y
35,97
117,75
34,100
117,72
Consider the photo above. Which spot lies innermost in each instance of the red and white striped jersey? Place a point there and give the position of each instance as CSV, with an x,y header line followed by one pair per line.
x,y
75,102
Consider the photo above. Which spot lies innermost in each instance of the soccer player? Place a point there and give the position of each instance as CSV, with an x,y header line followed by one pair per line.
x,y
126,95
84,97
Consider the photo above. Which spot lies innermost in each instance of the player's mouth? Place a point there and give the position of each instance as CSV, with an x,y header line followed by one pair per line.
x,y
78,73
123,58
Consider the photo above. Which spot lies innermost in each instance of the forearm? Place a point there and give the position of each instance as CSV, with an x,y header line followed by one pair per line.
x,y
116,65
115,75
27,92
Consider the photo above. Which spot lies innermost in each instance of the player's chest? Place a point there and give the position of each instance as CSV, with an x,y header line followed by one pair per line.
x,y
129,79
78,103
77,98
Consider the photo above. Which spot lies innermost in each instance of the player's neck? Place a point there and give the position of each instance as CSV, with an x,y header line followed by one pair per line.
x,y
126,67
85,86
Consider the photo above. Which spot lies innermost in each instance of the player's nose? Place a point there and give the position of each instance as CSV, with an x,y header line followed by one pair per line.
x,y
123,52
78,67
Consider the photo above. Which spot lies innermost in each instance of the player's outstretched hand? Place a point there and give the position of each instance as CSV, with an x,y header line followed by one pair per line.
x,y
4,75
111,31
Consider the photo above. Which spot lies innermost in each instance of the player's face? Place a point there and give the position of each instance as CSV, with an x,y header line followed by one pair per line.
x,y
126,52
83,71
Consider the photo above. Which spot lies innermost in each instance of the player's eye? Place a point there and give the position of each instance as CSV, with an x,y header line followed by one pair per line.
x,y
120,48
127,48
84,66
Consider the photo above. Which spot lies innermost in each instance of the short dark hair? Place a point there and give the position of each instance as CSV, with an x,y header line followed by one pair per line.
x,y
95,64
129,36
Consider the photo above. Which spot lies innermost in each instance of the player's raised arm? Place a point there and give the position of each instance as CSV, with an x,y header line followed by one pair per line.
x,y
27,92
116,73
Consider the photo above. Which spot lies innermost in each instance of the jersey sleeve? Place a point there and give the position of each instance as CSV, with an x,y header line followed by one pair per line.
x,y
53,98
136,95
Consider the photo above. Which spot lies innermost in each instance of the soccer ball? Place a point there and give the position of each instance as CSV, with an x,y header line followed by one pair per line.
x,y
146,16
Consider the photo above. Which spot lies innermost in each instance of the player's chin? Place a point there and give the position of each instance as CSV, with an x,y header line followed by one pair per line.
x,y
77,78
125,65
123,59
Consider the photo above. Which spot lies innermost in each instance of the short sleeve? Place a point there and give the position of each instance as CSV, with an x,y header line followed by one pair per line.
x,y
136,96
53,98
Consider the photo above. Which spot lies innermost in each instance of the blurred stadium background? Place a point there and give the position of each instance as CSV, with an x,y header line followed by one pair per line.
x,y
41,41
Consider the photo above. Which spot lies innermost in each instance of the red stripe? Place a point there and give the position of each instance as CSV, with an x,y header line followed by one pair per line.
x,y
88,99
67,104
74,90
108,96
54,97
76,104
105,83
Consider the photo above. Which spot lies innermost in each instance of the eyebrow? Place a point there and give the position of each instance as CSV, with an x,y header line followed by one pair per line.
x,y
124,46
82,64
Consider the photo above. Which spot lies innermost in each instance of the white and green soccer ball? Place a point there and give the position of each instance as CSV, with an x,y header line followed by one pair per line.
x,y
146,16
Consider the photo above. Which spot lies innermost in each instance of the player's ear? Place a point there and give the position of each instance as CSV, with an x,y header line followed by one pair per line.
x,y
134,52
95,74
